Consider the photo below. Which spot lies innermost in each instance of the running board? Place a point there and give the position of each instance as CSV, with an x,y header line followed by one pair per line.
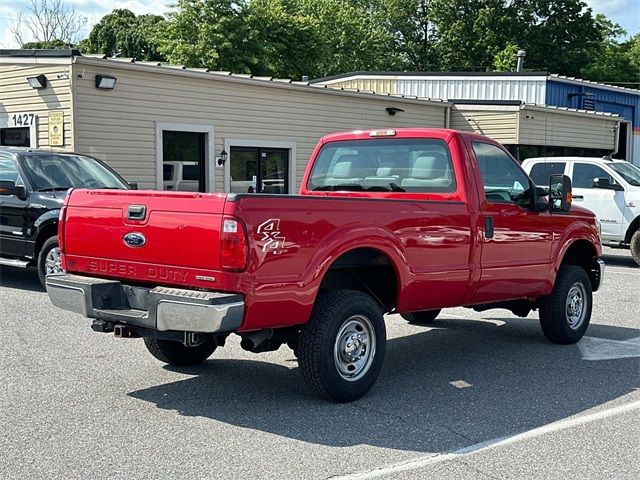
x,y
12,262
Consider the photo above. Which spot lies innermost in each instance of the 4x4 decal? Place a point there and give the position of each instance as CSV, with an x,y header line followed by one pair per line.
x,y
271,236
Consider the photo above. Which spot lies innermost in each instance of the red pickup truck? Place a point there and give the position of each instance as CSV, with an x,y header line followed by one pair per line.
x,y
405,221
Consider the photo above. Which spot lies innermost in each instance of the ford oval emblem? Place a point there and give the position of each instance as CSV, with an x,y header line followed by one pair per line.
x,y
134,239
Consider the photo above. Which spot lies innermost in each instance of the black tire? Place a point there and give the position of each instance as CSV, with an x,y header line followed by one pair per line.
x,y
175,353
336,316
556,323
421,318
635,247
46,248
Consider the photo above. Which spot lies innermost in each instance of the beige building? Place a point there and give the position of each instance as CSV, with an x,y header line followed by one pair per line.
x,y
157,116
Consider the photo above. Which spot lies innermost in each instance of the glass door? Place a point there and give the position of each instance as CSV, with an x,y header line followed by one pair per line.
x,y
259,170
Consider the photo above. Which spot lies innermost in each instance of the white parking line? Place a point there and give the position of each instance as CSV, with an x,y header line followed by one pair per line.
x,y
427,460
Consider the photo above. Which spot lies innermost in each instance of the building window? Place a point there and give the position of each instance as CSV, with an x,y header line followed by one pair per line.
x,y
15,137
259,170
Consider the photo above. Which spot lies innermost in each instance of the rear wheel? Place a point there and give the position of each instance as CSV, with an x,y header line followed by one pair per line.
x,y
342,348
176,353
565,314
424,317
49,259
635,247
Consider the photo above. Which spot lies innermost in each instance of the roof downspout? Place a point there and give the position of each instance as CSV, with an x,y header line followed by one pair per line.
x,y
447,117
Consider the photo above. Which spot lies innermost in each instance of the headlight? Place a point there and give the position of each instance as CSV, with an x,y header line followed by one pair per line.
x,y
599,230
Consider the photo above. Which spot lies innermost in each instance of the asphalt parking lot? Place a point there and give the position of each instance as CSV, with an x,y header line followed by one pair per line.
x,y
478,395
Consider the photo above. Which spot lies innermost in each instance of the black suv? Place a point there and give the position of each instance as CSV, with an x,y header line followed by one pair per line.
x,y
33,184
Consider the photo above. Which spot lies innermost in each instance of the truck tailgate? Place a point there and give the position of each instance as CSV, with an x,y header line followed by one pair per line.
x,y
179,230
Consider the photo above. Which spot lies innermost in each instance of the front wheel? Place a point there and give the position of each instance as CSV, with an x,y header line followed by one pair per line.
x,y
635,247
565,314
176,353
342,348
49,259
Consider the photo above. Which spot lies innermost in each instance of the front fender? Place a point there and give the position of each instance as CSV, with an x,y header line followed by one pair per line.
x,y
48,217
576,231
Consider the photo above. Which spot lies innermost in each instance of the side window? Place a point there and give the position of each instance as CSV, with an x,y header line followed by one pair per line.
x,y
541,172
503,180
9,170
585,173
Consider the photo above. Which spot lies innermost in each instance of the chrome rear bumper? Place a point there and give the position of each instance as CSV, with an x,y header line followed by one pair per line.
x,y
159,308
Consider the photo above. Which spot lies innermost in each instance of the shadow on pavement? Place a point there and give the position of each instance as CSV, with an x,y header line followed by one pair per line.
x,y
25,279
519,382
619,261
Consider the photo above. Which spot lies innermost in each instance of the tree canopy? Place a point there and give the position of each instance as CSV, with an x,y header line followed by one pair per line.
x,y
291,38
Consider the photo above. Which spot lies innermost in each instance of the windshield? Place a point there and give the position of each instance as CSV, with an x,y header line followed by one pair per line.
x,y
62,171
384,165
629,172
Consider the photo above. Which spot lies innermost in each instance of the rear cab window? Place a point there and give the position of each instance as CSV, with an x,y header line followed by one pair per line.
x,y
541,172
384,165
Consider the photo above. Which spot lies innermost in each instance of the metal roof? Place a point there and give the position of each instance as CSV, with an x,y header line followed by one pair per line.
x,y
506,75
160,67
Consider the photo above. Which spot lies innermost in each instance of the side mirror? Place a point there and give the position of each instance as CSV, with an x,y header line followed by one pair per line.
x,y
542,198
560,193
8,187
606,184
133,185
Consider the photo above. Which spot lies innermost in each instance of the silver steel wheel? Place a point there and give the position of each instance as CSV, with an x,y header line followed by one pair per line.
x,y
52,262
576,305
355,348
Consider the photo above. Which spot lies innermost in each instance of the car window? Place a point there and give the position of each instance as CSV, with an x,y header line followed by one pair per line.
x,y
585,173
63,171
389,165
628,171
541,172
190,172
504,181
9,170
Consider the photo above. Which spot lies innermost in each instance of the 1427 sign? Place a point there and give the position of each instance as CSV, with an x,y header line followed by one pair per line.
x,y
22,120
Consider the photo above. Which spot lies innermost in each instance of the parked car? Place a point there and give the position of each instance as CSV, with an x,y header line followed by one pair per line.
x,y
407,221
33,184
609,188
181,176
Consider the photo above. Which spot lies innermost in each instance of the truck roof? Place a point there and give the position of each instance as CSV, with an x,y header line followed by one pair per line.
x,y
442,133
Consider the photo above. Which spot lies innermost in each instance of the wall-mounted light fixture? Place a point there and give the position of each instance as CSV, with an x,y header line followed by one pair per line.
x,y
222,159
105,82
37,82
393,110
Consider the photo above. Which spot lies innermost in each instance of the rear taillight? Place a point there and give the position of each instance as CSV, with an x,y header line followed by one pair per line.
x,y
233,245
63,212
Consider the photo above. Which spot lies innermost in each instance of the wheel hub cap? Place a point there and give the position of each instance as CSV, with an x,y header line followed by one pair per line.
x,y
354,348
52,262
575,305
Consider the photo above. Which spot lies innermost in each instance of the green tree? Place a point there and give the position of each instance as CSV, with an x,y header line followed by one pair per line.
x,y
560,36
470,33
506,60
52,44
291,41
214,34
122,33
409,24
352,36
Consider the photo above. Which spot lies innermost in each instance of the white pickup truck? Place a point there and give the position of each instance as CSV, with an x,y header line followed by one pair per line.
x,y
181,176
609,188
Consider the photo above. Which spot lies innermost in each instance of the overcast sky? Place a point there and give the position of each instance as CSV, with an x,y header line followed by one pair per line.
x,y
624,12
